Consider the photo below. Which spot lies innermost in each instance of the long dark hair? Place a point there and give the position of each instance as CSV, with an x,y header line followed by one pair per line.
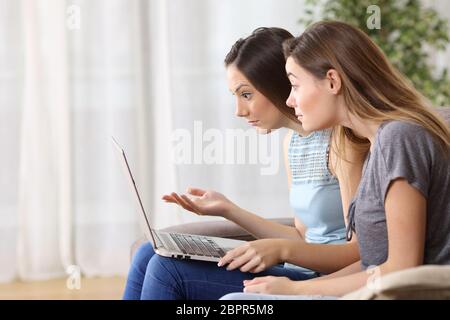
x,y
260,58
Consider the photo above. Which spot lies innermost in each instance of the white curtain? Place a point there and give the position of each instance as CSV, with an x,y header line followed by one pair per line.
x,y
44,187
75,72
11,93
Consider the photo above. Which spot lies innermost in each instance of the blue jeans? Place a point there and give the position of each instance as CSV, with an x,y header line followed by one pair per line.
x,y
153,277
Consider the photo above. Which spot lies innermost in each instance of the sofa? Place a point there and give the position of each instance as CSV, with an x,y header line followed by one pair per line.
x,y
425,282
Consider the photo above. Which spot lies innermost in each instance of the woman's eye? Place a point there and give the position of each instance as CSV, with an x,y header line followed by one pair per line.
x,y
246,95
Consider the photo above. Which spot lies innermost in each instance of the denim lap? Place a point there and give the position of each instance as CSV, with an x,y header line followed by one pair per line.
x,y
153,277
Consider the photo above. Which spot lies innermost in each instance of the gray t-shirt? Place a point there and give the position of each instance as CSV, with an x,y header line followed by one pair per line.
x,y
402,150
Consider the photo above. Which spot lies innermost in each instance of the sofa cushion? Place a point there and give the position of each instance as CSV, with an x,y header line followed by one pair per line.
x,y
424,282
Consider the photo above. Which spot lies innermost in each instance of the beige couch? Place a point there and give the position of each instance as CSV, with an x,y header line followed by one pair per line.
x,y
421,283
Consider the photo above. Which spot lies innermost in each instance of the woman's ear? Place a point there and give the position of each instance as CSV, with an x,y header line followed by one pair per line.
x,y
334,81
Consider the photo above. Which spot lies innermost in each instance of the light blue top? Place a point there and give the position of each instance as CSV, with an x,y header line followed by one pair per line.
x,y
314,194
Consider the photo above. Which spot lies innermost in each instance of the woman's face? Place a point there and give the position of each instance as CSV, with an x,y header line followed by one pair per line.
x,y
251,104
314,100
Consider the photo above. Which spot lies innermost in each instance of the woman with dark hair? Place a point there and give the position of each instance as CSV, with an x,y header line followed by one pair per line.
x,y
401,212
256,76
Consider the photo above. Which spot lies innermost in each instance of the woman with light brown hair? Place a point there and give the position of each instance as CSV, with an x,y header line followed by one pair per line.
x,y
401,211
319,194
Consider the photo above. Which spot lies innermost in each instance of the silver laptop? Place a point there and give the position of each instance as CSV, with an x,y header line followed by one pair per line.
x,y
179,245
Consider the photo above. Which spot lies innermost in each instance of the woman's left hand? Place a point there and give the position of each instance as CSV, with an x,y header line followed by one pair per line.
x,y
271,285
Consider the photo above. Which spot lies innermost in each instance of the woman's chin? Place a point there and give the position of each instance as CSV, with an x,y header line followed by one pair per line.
x,y
305,126
308,126
261,130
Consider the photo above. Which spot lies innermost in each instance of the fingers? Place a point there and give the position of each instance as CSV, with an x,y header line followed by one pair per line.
x,y
259,268
196,191
168,198
256,285
254,264
256,280
241,260
256,288
231,255
181,202
190,203
241,257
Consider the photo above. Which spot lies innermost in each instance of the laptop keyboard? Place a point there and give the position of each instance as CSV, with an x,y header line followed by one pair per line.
x,y
197,245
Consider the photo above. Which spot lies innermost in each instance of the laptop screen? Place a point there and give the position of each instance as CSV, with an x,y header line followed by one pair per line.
x,y
133,186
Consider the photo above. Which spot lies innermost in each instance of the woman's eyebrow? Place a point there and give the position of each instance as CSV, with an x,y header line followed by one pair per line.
x,y
240,86
291,74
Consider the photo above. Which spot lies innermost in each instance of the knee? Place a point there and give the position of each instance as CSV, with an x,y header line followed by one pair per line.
x,y
159,266
161,271
142,256
162,280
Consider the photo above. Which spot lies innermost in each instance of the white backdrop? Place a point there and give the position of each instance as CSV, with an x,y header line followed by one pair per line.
x,y
134,69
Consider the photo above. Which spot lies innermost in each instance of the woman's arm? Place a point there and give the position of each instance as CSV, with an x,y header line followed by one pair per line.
x,y
213,203
256,256
405,210
350,269
262,228
324,258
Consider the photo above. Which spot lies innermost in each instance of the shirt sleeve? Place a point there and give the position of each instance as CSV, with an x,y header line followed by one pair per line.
x,y
406,152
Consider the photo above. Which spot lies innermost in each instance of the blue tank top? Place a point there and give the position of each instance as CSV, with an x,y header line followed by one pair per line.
x,y
315,195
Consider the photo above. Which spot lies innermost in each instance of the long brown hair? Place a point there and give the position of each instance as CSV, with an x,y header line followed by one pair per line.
x,y
371,87
260,59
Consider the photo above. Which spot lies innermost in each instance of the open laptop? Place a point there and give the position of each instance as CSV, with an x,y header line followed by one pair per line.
x,y
179,245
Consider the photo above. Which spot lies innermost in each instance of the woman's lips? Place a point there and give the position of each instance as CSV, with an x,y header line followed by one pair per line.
x,y
253,122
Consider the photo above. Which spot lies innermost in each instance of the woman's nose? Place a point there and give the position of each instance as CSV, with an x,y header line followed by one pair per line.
x,y
241,110
290,102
